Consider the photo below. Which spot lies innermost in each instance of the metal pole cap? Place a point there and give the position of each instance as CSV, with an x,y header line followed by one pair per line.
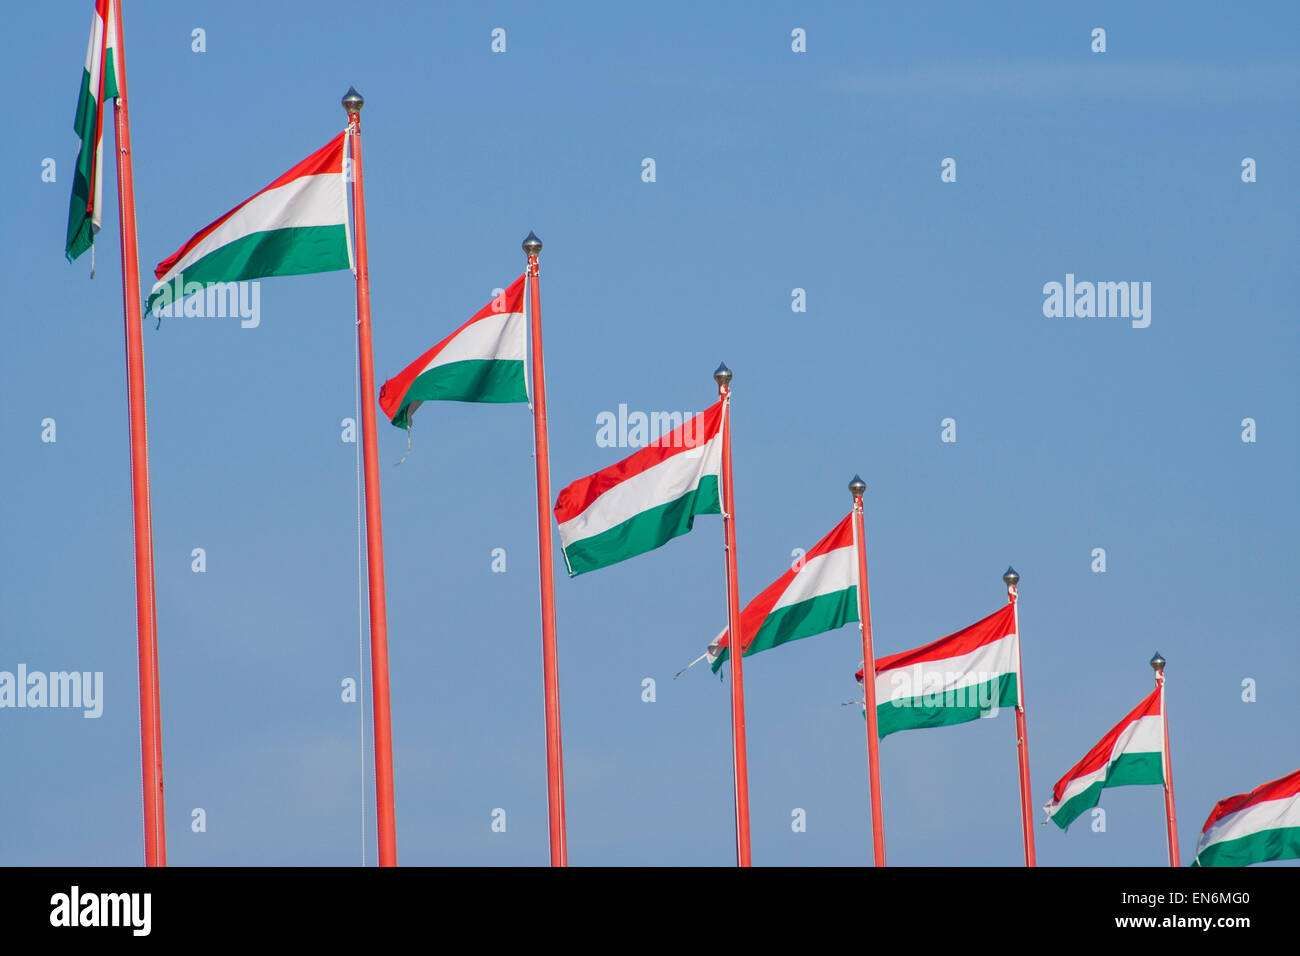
x,y
353,101
1158,663
1011,578
857,486
722,375
532,245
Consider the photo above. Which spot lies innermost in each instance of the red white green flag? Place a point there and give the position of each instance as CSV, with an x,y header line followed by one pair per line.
x,y
98,85
1132,753
296,225
1253,827
952,680
645,500
818,594
482,361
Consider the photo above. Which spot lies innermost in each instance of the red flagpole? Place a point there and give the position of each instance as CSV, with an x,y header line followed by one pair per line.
x,y
739,761
1011,579
546,568
1171,818
155,817
384,811
856,487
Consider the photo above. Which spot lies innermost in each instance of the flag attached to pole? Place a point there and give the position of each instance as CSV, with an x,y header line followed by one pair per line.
x,y
296,225
952,680
645,500
819,594
1132,753
1253,827
482,361
98,84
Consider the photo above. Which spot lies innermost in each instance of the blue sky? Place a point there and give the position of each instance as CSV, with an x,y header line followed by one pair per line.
x,y
774,171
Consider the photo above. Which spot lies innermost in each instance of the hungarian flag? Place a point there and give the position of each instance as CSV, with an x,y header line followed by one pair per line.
x,y
1253,827
482,361
296,225
98,83
957,678
818,594
1132,753
645,500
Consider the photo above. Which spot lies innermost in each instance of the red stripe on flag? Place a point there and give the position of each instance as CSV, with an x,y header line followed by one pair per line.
x,y
992,628
757,610
1099,755
692,433
393,392
1279,789
327,159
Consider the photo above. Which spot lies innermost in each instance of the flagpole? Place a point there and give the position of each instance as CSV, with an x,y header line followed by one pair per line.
x,y
1011,579
857,487
379,696
155,817
1171,818
546,568
739,760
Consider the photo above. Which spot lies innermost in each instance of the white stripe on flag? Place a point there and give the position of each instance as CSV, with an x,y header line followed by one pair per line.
x,y
491,337
1265,815
824,574
317,200
982,664
667,481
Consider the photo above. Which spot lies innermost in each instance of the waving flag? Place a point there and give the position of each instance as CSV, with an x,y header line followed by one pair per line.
x,y
482,361
645,500
957,678
1253,827
1132,753
98,84
819,594
296,225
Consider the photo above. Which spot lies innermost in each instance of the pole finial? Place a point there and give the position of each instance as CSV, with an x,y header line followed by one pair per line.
x,y
532,245
1010,578
722,375
857,486
353,101
1158,663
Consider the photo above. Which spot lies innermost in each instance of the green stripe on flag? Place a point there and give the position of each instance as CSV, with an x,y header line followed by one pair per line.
x,y
1128,770
110,76
645,531
472,380
274,252
819,614
1279,843
943,709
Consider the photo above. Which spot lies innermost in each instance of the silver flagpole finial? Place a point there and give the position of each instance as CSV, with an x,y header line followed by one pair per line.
x,y
353,101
